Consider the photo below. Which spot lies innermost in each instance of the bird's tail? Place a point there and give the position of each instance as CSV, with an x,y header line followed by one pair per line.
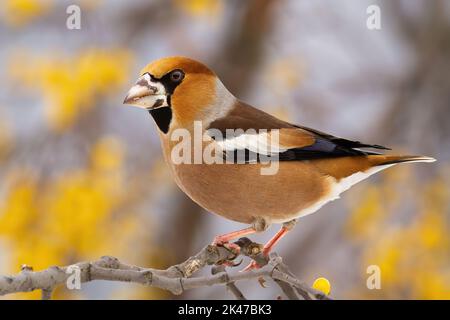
x,y
382,160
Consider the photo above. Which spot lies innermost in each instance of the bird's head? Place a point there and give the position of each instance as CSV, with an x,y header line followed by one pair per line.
x,y
177,91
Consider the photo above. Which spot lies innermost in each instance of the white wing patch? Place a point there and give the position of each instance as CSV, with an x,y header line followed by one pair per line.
x,y
262,142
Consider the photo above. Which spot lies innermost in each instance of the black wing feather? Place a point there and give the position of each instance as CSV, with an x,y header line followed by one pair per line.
x,y
328,146
348,144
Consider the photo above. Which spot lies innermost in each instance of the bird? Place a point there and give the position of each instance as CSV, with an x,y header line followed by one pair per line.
x,y
185,98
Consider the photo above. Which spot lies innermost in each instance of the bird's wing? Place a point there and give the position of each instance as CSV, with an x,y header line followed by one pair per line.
x,y
251,130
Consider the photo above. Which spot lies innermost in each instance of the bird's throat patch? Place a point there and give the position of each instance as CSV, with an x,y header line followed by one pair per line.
x,y
163,117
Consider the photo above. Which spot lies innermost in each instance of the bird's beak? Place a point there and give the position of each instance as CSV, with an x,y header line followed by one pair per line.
x,y
147,94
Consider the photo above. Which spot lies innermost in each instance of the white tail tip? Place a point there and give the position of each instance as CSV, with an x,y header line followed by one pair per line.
x,y
422,159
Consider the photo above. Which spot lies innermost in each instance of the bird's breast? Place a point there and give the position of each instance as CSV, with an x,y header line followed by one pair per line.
x,y
240,192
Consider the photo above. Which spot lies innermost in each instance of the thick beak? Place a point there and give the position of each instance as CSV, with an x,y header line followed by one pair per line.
x,y
135,93
146,94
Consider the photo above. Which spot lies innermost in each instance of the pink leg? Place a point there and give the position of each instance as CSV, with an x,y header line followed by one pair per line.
x,y
225,238
218,240
271,243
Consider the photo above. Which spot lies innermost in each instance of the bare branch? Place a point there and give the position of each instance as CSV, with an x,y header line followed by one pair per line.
x,y
175,279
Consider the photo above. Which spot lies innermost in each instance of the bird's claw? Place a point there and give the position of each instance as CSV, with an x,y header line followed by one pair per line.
x,y
228,245
231,264
232,247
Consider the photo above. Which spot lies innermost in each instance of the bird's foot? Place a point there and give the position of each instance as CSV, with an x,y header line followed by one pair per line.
x,y
254,265
220,242
232,247
271,243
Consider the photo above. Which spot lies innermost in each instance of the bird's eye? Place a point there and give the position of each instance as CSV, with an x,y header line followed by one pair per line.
x,y
176,75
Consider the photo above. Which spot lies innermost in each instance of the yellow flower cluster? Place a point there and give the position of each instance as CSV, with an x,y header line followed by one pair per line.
x,y
71,86
17,13
76,216
413,252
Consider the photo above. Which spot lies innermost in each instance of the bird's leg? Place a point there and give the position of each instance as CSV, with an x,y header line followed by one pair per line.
x,y
223,239
287,226
259,225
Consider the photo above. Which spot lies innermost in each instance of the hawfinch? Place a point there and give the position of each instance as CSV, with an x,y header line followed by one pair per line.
x,y
309,168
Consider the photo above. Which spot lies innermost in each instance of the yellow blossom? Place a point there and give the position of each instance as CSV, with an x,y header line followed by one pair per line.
x,y
18,13
323,285
71,86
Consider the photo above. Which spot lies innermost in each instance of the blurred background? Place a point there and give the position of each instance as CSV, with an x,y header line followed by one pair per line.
x,y
82,176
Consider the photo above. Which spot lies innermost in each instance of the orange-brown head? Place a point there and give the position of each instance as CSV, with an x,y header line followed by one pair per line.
x,y
178,91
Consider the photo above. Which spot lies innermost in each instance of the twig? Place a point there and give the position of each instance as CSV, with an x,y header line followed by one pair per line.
x,y
47,294
237,293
